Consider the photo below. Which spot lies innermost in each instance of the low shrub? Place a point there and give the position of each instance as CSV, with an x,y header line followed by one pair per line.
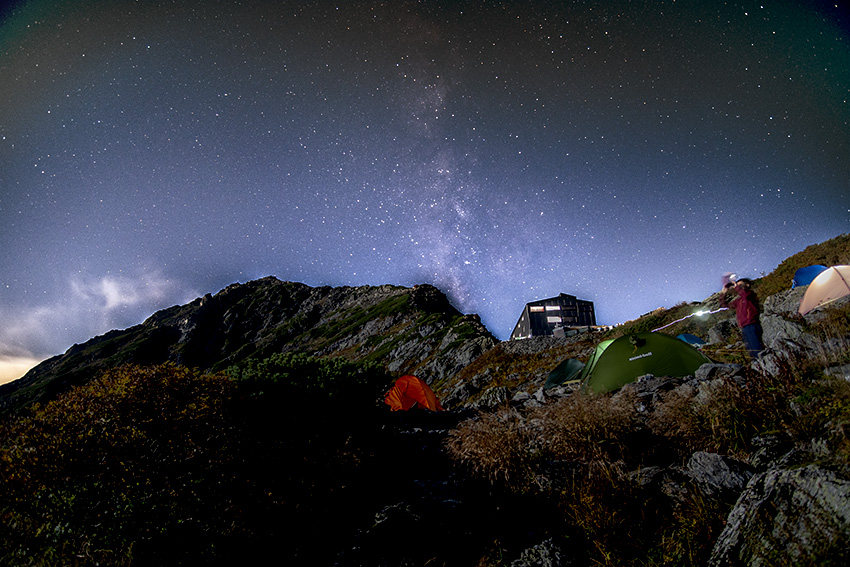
x,y
726,415
163,465
109,471
291,376
616,516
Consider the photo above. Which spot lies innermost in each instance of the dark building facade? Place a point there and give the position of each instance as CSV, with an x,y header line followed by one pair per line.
x,y
544,316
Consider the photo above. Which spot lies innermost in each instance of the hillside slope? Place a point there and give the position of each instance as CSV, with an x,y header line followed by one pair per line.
x,y
409,330
413,330
745,462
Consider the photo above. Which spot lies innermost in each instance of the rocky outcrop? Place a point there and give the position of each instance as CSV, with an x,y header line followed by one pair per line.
x,y
790,517
785,303
783,326
784,334
718,476
544,554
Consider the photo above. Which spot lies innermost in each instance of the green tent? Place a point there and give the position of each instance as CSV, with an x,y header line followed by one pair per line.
x,y
564,372
618,362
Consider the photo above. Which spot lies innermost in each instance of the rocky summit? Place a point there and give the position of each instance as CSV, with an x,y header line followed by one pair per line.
x,y
409,330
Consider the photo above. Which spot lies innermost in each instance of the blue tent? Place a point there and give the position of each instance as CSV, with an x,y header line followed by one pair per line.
x,y
691,339
804,276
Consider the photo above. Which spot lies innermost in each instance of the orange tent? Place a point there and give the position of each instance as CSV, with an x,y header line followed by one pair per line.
x,y
409,391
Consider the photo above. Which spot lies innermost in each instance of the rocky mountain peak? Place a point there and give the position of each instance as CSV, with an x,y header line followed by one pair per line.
x,y
409,330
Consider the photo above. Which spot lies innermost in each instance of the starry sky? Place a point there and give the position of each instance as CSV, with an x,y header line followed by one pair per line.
x,y
627,153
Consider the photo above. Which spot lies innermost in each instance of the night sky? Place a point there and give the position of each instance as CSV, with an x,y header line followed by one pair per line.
x,y
627,153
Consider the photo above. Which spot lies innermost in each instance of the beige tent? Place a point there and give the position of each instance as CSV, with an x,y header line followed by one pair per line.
x,y
830,285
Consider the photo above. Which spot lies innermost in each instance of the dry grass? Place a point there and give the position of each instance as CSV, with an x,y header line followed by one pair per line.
x,y
833,333
693,528
725,416
610,509
587,428
709,418
600,441
495,446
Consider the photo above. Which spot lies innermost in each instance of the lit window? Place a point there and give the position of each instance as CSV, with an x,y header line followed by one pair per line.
x,y
551,319
536,309
553,308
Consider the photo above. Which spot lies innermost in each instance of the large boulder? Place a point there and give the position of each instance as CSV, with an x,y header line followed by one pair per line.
x,y
780,333
714,477
785,303
647,390
718,476
712,371
788,517
544,554
724,331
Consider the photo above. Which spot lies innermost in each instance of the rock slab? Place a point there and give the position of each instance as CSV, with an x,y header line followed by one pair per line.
x,y
788,517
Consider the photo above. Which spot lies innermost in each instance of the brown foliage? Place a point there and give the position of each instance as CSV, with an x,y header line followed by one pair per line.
x,y
137,450
587,428
495,446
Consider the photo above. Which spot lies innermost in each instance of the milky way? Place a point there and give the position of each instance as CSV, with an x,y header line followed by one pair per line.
x,y
628,153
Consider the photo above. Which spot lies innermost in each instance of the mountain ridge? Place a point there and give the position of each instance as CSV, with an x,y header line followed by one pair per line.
x,y
413,330
407,329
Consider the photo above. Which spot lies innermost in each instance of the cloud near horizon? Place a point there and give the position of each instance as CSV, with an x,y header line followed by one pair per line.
x,y
93,306
14,367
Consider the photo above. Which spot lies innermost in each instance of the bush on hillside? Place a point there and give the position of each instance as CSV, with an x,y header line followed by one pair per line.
x,y
110,471
584,427
495,446
835,251
297,378
164,465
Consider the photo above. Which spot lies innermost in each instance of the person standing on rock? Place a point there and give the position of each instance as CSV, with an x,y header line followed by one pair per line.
x,y
746,307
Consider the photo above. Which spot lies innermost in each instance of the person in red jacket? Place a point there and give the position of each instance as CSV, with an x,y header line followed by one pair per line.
x,y
746,307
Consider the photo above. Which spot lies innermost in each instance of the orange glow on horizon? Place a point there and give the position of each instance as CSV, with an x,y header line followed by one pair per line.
x,y
14,367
